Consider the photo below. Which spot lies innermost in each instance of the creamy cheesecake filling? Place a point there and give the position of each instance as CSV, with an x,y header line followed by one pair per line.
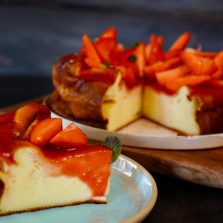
x,y
29,184
121,105
174,111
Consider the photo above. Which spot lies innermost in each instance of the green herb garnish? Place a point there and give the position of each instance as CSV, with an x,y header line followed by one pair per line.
x,y
106,64
134,45
114,144
132,58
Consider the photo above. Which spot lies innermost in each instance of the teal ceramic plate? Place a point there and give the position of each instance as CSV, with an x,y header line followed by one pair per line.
x,y
133,193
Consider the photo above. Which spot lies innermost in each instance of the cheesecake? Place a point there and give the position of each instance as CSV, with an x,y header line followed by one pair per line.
x,y
109,86
45,166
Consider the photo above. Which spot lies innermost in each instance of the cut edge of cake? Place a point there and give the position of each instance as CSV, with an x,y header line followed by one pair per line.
x,y
175,111
121,105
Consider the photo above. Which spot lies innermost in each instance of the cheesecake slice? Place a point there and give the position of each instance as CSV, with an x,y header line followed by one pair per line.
x,y
102,83
44,166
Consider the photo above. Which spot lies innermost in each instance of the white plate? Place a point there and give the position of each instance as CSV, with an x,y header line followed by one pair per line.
x,y
133,193
145,134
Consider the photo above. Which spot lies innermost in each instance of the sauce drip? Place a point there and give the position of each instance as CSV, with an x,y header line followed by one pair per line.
x,y
89,163
209,91
7,139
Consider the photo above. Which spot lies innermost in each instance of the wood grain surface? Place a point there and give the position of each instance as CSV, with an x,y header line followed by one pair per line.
x,y
198,166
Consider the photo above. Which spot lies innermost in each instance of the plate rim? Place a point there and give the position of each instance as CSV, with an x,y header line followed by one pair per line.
x,y
144,212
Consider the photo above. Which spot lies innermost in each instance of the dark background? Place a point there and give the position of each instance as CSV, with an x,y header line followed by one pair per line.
x,y
34,34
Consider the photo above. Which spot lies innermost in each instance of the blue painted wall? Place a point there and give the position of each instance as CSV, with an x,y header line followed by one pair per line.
x,y
35,33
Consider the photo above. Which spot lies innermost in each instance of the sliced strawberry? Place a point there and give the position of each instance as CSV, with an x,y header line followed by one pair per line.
x,y
25,115
119,47
141,58
109,33
210,55
122,57
104,47
218,74
189,80
199,65
219,59
168,75
161,66
45,130
92,58
181,42
156,51
70,137
147,51
172,54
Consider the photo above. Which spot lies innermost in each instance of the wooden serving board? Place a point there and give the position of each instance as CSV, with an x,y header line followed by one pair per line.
x,y
198,166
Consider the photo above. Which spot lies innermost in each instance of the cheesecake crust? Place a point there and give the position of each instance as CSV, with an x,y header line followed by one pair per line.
x,y
79,95
210,121
2,187
63,108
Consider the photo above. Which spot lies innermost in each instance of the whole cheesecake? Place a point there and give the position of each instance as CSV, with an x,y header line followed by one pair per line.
x,y
43,165
180,88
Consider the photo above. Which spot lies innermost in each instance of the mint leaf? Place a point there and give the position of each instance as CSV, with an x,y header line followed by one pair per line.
x,y
114,144
132,58
106,64
135,45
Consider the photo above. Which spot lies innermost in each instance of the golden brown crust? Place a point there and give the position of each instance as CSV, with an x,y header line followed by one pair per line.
x,y
81,104
2,187
63,109
47,207
81,96
209,113
210,121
